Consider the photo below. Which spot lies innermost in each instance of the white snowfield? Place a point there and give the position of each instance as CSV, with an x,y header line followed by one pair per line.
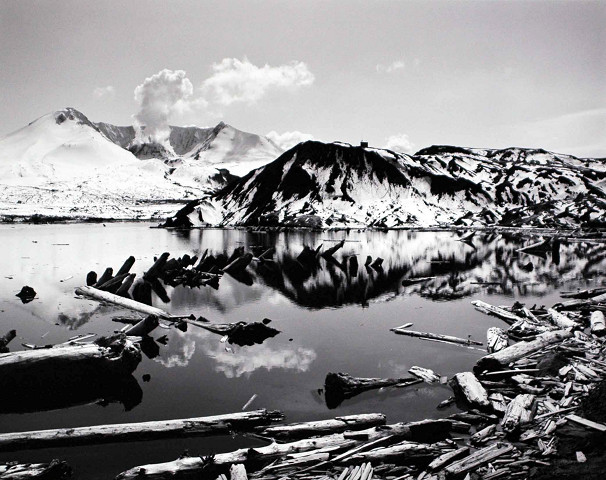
x,y
338,185
63,165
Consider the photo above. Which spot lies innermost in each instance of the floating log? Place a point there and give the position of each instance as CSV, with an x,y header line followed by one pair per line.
x,y
341,386
478,458
424,374
201,426
466,385
414,431
500,360
586,423
55,470
323,427
143,328
242,333
539,247
584,294
560,320
411,281
122,302
496,339
519,412
503,314
598,326
435,336
6,339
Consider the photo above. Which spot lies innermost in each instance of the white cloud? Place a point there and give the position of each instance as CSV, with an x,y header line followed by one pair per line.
x,y
400,143
160,96
236,80
390,68
288,140
101,92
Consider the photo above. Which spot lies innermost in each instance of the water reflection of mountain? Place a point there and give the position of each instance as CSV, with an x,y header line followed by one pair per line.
x,y
492,264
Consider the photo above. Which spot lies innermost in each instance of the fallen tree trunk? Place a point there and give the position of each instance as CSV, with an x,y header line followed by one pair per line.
x,y
202,426
435,336
560,320
503,314
55,470
447,458
501,360
122,302
496,339
598,326
341,386
402,451
323,427
414,431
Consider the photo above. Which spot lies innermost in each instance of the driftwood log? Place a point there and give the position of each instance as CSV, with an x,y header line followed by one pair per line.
x,y
323,427
467,387
55,470
201,426
121,301
341,386
519,412
414,431
500,360
496,339
478,458
435,336
598,326
402,451
6,339
503,314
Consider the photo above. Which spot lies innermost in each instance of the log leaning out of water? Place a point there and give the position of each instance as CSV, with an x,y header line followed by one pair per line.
x,y
122,302
435,336
55,470
193,465
501,359
202,426
323,427
503,314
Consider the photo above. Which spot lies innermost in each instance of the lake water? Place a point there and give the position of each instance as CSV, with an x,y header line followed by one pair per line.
x,y
329,319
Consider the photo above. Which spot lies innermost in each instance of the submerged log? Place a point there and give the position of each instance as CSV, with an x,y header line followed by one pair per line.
x,y
201,426
435,336
467,386
329,252
341,386
122,302
143,328
239,264
500,360
55,470
242,333
414,431
323,427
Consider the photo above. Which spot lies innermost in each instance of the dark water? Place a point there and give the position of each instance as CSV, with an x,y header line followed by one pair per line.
x,y
330,320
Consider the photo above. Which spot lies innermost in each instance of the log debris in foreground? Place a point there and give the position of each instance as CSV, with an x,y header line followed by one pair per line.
x,y
323,427
55,470
201,426
435,336
414,431
501,359
478,458
467,386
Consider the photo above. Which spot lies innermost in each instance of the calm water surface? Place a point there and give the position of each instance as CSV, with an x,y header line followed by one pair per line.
x,y
330,320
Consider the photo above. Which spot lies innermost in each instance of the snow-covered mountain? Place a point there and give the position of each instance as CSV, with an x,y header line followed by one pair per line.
x,y
64,165
339,185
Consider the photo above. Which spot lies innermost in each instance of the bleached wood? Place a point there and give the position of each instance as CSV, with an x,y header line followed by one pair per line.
x,y
496,311
122,302
200,426
447,458
598,325
560,320
435,336
586,423
519,412
478,458
322,427
467,385
500,360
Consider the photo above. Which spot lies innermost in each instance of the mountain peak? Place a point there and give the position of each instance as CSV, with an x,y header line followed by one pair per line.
x,y
70,113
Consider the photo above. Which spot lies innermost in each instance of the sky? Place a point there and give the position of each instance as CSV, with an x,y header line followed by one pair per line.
x,y
403,74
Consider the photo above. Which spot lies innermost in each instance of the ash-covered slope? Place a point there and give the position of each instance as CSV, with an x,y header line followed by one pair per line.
x,y
64,165
338,185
